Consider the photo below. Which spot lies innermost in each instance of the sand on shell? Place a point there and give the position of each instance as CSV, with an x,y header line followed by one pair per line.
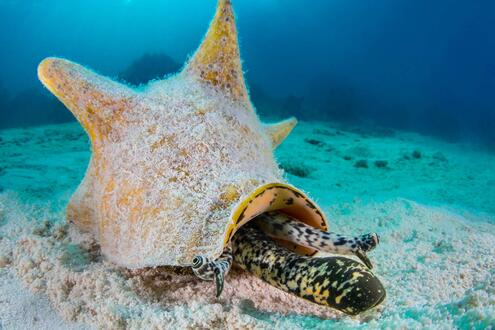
x,y
436,254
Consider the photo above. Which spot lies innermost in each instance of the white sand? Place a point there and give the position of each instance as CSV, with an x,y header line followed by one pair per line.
x,y
435,216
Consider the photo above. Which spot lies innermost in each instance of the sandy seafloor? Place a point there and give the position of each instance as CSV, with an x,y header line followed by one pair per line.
x,y
433,205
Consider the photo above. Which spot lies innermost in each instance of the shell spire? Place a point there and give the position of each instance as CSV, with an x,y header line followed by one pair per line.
x,y
217,61
278,132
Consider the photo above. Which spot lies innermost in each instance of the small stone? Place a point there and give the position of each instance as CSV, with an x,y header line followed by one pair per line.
x,y
416,154
442,246
26,264
381,163
4,261
296,169
314,142
38,284
362,163
60,232
45,266
42,229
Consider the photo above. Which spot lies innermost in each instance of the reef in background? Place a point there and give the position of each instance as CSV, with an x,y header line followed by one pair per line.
x,y
327,98
30,107
149,67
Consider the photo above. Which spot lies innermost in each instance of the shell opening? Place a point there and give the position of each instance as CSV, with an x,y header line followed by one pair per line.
x,y
278,197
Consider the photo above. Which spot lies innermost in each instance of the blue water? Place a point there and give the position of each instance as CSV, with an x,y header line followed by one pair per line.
x,y
397,137
417,65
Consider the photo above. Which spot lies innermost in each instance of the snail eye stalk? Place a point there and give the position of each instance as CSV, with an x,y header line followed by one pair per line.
x,y
196,262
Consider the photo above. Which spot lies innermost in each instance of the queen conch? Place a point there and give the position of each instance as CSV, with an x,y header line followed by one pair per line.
x,y
178,165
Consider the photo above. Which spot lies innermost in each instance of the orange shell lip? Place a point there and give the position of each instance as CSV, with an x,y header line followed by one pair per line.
x,y
277,196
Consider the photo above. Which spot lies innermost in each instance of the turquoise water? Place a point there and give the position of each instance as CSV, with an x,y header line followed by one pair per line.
x,y
395,137
357,62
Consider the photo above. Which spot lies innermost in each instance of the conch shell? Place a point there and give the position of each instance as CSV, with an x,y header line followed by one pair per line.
x,y
179,165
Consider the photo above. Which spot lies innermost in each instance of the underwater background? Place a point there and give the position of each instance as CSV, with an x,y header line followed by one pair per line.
x,y
417,65
396,135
